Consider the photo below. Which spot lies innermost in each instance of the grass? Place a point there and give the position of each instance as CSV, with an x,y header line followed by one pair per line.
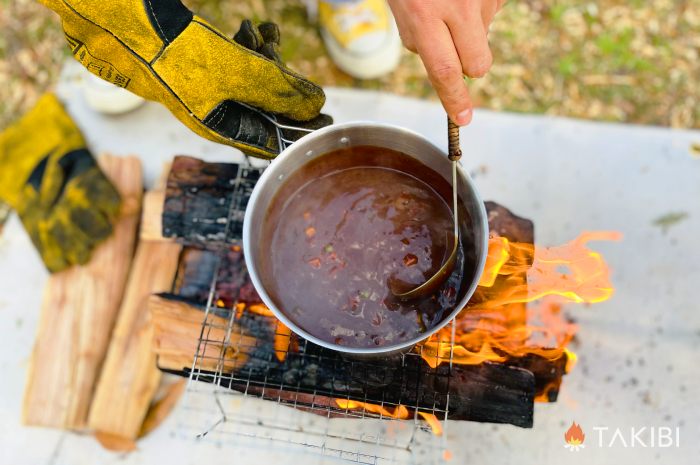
x,y
626,61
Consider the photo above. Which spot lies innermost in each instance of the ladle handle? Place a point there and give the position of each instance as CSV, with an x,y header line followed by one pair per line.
x,y
454,152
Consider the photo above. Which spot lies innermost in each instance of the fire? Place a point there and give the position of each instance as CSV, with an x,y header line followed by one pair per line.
x,y
433,422
574,435
400,412
517,309
282,341
571,271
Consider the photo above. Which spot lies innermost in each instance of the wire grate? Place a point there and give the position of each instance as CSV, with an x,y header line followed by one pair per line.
x,y
254,382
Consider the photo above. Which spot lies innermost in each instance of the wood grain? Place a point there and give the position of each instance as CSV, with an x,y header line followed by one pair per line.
x,y
78,312
130,376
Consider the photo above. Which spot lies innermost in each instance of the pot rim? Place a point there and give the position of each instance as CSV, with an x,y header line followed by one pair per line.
x,y
259,287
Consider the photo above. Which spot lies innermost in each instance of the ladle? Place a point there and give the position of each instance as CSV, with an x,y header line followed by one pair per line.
x,y
454,153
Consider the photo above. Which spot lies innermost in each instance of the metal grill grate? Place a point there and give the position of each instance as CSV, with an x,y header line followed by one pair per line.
x,y
252,382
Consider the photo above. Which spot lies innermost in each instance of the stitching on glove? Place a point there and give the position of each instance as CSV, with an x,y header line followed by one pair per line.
x,y
220,118
137,57
153,13
210,118
170,17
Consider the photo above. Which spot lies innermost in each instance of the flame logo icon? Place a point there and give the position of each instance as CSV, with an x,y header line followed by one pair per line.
x,y
574,437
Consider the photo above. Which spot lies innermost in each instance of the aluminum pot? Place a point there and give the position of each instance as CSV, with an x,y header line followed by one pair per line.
x,y
328,139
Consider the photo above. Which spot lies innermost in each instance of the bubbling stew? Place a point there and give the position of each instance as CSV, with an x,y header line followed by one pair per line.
x,y
345,224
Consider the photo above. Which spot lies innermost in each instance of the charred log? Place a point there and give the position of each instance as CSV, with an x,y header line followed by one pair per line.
x,y
205,202
249,362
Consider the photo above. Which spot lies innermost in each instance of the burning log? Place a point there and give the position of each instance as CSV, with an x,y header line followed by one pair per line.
x,y
78,311
177,330
491,384
315,376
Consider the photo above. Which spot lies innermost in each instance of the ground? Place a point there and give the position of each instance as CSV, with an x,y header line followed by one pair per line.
x,y
629,61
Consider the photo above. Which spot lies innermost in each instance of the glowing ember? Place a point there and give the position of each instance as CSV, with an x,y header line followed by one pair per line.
x,y
400,412
282,338
260,309
239,310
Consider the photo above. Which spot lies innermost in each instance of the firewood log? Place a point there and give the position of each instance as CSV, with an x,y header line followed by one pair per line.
x,y
78,312
130,377
177,332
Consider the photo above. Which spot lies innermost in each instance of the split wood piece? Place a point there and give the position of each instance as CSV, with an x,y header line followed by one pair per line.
x,y
78,312
130,377
157,413
177,331
233,283
246,358
507,224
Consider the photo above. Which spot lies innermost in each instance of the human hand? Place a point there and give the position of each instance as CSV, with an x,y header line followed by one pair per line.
x,y
451,38
222,88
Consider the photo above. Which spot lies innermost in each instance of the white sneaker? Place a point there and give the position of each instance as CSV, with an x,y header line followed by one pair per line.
x,y
361,36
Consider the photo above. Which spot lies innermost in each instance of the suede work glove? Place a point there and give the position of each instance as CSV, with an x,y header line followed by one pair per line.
x,y
215,85
65,202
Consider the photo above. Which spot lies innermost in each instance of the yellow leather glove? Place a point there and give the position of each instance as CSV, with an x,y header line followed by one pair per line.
x,y
215,85
65,202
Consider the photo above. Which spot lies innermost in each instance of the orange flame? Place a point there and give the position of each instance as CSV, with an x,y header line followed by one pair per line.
x,y
516,311
400,412
282,341
433,422
574,435
498,325
571,271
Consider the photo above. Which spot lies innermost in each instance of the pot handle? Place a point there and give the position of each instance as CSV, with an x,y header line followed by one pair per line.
x,y
281,141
